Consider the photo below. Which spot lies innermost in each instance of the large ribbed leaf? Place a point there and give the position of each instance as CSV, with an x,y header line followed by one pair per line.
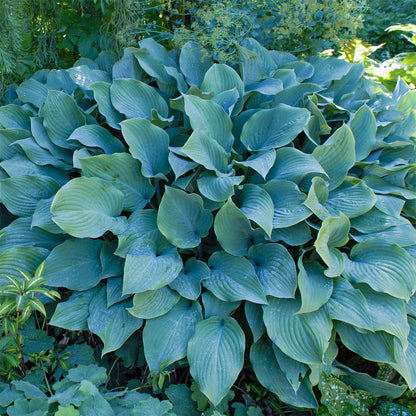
x,y
188,282
217,188
363,127
333,233
32,91
254,316
20,234
276,127
61,116
21,194
208,115
74,264
376,221
352,199
149,267
194,62
271,376
261,161
42,217
113,325
149,144
348,304
102,96
315,288
165,339
384,266
136,99
73,313
288,203
275,269
216,307
88,207
204,150
153,303
405,360
317,196
216,356
26,259
13,116
303,337
7,138
233,278
257,205
293,165
374,346
337,155
96,136
182,219
124,172
233,229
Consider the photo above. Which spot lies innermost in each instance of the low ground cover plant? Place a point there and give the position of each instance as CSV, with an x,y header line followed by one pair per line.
x,y
221,220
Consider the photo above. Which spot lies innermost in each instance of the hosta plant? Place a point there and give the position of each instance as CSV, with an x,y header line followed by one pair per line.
x,y
258,216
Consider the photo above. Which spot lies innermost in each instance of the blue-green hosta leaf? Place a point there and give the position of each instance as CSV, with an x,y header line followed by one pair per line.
x,y
14,116
317,196
142,224
382,186
328,69
182,219
210,116
349,305
288,203
88,207
216,356
402,235
363,127
390,205
149,144
60,79
388,314
7,138
33,92
42,217
21,194
204,150
180,395
165,338
333,233
112,264
19,233
233,229
73,313
84,76
254,316
188,282
303,70
149,267
384,266
303,337
233,278
405,359
374,346
124,172
337,155
275,269
296,235
376,221
261,162
26,259
96,136
220,78
407,102
293,165
257,205
271,376
217,188
216,307
135,99
411,306
315,288
113,325
153,303
351,199
61,116
294,94
180,165
194,62
101,92
276,127
74,264
115,291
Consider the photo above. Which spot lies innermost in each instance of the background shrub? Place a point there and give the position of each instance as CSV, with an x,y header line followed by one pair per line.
x,y
222,222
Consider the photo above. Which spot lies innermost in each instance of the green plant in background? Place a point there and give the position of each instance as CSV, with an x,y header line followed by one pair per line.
x,y
222,222
19,299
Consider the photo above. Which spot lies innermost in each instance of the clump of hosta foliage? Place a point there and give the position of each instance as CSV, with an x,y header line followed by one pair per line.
x,y
257,217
